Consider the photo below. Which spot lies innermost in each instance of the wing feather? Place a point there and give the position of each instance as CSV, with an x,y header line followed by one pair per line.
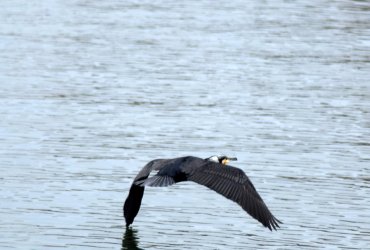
x,y
233,183
157,181
132,204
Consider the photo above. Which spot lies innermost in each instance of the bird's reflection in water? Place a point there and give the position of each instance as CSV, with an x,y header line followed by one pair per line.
x,y
130,240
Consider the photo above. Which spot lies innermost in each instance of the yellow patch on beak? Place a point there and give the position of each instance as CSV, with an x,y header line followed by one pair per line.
x,y
225,161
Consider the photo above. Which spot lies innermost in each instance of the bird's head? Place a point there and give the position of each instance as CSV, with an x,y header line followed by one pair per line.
x,y
224,160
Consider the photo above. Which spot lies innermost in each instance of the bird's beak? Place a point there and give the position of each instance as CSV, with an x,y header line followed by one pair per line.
x,y
226,161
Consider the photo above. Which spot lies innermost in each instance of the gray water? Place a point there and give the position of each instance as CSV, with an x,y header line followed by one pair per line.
x,y
92,90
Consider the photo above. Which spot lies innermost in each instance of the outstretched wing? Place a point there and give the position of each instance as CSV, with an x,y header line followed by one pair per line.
x,y
133,201
233,183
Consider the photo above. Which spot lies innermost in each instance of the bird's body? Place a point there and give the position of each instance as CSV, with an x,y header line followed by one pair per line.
x,y
212,172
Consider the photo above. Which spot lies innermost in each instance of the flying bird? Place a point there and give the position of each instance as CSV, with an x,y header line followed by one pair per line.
x,y
212,172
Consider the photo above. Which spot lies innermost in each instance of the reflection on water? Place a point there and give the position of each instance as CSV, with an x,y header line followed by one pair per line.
x,y
92,90
130,240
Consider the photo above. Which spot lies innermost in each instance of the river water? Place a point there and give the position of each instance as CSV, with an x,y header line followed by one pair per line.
x,y
92,90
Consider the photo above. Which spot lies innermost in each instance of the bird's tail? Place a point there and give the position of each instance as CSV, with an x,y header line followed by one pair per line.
x,y
133,203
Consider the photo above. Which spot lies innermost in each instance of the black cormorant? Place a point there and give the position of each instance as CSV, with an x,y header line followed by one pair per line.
x,y
212,172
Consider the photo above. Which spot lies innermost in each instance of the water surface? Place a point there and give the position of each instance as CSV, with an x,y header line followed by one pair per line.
x,y
91,91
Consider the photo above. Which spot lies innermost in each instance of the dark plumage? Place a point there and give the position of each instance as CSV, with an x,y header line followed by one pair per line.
x,y
212,172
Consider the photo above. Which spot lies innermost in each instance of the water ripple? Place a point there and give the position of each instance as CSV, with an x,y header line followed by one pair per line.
x,y
93,90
